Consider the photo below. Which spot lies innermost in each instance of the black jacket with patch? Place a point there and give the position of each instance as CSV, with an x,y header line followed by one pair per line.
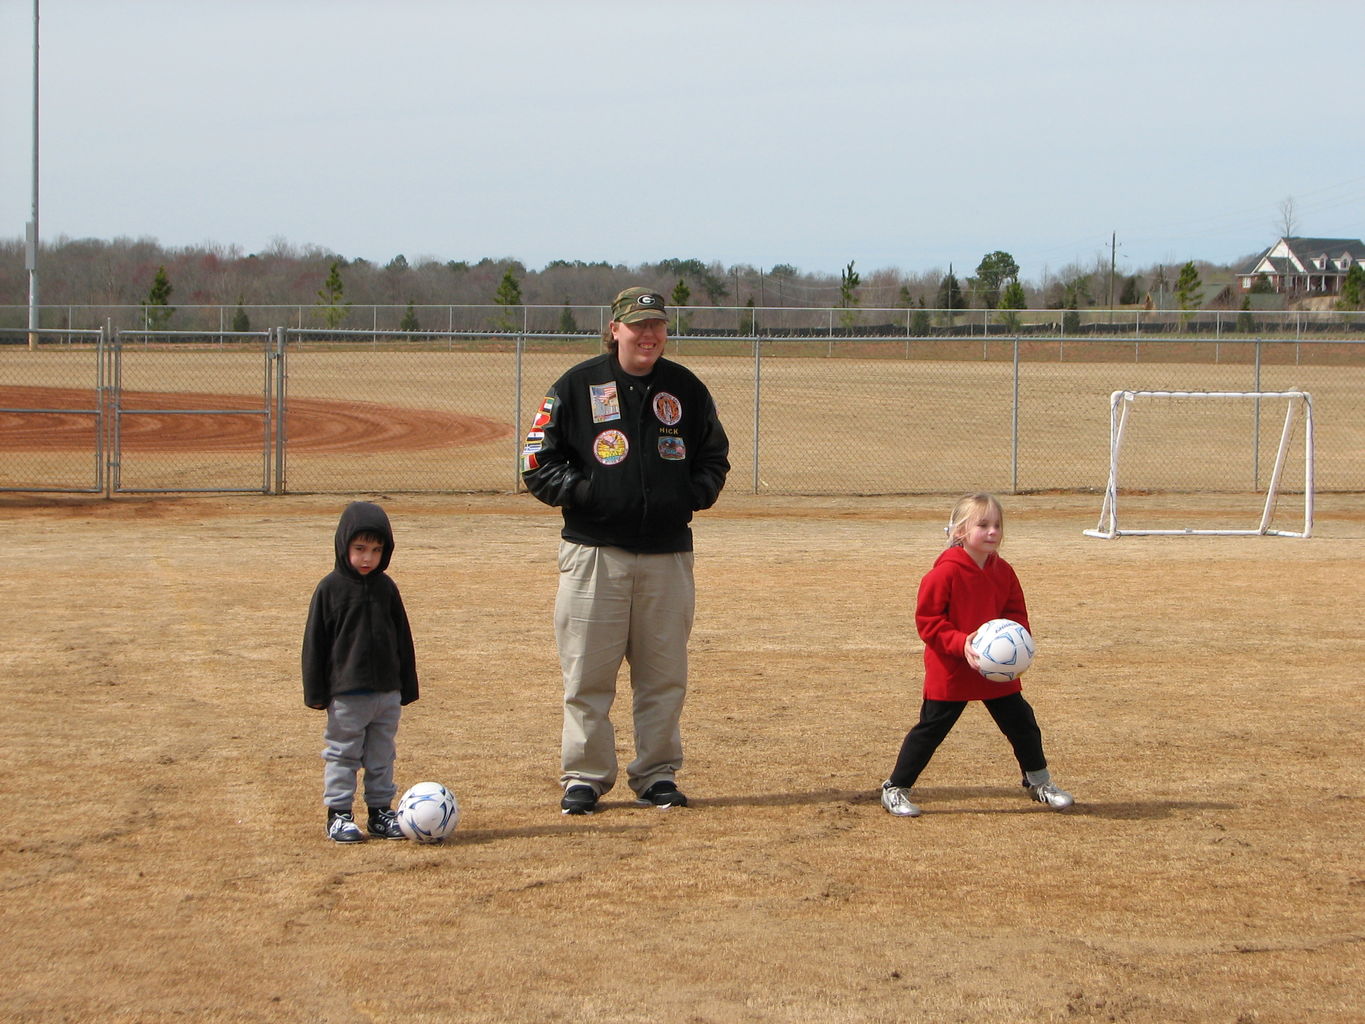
x,y
627,459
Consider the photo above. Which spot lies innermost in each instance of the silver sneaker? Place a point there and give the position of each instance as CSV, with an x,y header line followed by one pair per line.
x,y
341,828
896,799
1048,793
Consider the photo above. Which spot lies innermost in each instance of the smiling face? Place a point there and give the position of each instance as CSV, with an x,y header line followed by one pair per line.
x,y
639,345
981,531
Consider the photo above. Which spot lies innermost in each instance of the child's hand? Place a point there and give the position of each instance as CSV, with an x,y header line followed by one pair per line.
x,y
970,654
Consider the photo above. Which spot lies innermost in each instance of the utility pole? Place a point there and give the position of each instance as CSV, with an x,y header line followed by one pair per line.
x,y
1113,250
31,239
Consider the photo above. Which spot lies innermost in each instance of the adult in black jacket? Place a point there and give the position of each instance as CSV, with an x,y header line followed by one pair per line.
x,y
628,445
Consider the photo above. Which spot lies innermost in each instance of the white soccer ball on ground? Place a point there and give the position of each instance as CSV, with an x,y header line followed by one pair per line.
x,y
428,812
1005,649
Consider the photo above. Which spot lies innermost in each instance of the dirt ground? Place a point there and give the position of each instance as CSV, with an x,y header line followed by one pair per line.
x,y
165,859
315,426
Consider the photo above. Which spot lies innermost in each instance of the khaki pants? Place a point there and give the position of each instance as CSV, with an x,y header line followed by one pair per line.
x,y
614,605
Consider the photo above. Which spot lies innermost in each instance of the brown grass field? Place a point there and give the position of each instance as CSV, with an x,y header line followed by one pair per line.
x,y
164,857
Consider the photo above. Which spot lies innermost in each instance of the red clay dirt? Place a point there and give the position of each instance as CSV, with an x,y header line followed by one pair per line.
x,y
63,422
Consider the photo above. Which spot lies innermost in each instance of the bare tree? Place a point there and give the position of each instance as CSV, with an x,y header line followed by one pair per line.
x,y
89,278
1288,224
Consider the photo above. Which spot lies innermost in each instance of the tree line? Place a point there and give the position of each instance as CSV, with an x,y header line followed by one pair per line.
x,y
127,272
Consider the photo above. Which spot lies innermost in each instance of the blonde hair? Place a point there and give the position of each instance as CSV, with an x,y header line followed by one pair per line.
x,y
968,507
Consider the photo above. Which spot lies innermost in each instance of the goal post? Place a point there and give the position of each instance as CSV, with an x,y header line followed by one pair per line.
x,y
1298,406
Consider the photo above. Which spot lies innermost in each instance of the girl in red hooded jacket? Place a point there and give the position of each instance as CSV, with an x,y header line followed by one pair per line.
x,y
969,585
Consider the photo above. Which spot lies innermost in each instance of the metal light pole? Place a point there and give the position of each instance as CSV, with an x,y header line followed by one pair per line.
x,y
31,250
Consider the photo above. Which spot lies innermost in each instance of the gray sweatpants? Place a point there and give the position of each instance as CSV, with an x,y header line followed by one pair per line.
x,y
613,605
362,729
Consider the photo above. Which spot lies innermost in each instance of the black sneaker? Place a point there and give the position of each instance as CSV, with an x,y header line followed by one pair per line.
x,y
579,800
662,794
341,827
384,824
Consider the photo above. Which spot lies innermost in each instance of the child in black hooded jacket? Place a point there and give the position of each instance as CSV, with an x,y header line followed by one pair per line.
x,y
359,664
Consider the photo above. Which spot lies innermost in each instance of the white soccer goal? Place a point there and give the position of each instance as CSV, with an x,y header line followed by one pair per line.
x,y
1298,406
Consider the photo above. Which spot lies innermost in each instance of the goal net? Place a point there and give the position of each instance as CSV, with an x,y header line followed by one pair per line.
x,y
1236,450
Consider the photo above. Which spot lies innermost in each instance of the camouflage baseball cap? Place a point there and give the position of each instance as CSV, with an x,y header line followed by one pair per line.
x,y
636,304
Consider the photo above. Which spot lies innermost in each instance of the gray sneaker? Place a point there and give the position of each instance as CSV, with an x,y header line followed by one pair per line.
x,y
341,828
896,799
1048,793
384,824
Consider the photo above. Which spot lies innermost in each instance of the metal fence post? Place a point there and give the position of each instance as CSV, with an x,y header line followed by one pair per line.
x,y
758,393
268,401
1256,425
115,400
1014,425
281,376
104,478
518,435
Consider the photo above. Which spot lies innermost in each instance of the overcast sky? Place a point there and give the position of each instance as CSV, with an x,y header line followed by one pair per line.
x,y
908,135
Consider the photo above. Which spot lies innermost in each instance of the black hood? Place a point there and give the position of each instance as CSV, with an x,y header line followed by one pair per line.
x,y
362,517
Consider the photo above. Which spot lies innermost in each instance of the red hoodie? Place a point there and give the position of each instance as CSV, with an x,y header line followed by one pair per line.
x,y
955,597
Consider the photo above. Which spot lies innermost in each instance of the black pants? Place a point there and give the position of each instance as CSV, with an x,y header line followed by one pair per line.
x,y
1012,714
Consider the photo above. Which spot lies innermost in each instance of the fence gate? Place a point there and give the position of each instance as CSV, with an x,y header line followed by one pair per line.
x,y
52,435
190,415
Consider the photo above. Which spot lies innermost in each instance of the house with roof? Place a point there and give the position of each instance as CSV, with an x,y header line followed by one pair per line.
x,y
1304,266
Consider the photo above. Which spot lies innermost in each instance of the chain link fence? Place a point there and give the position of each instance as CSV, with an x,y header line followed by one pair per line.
x,y
191,414
315,410
764,321
52,434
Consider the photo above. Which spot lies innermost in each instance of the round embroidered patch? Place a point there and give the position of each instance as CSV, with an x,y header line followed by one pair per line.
x,y
610,447
667,408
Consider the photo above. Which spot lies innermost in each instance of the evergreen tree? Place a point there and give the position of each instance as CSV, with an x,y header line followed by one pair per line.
x,y
508,296
711,283
1353,288
1129,294
1012,299
1245,323
748,319
332,302
157,310
920,324
849,279
567,323
240,321
1189,290
994,270
409,321
681,293
950,295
